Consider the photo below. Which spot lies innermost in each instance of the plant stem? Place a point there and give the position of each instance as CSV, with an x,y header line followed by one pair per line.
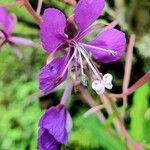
x,y
29,8
89,100
128,65
135,86
67,92
110,110
131,143
16,4
39,6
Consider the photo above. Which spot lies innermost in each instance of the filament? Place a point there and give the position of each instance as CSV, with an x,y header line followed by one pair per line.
x,y
89,63
109,51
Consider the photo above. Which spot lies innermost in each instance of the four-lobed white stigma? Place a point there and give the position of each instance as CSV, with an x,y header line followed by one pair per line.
x,y
99,85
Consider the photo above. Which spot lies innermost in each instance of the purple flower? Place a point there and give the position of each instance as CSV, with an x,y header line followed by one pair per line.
x,y
6,21
54,127
108,46
7,25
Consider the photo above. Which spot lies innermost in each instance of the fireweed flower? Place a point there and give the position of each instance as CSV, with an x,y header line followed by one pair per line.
x,y
7,25
108,46
54,127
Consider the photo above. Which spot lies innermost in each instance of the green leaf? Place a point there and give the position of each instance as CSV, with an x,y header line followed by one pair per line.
x,y
137,114
89,133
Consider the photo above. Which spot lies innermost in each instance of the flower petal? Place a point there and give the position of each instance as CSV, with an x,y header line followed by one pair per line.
x,y
54,120
86,12
6,21
69,122
51,75
110,39
52,29
46,141
21,41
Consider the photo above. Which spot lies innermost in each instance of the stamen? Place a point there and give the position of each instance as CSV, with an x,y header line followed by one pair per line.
x,y
71,43
66,67
109,51
88,61
83,78
76,65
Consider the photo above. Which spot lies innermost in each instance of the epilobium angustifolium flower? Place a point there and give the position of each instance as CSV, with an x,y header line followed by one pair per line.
x,y
7,25
108,46
54,127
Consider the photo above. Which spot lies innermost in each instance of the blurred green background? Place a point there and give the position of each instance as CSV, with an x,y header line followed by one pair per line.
x,y
21,104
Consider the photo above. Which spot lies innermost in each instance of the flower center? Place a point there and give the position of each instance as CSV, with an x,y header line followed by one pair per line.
x,y
78,60
71,43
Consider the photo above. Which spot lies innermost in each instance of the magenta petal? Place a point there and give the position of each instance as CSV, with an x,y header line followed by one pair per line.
x,y
86,12
50,75
46,141
110,39
54,120
6,21
52,29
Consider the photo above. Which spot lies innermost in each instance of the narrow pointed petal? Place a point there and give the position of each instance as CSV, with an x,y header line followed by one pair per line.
x,y
21,41
54,120
46,141
110,39
52,29
6,21
87,12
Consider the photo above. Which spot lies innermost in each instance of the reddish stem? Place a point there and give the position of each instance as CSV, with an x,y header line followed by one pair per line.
x,y
89,100
135,86
16,4
128,65
39,6
29,8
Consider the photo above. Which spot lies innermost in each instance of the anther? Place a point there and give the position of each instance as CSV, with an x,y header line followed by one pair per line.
x,y
112,52
109,51
84,80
